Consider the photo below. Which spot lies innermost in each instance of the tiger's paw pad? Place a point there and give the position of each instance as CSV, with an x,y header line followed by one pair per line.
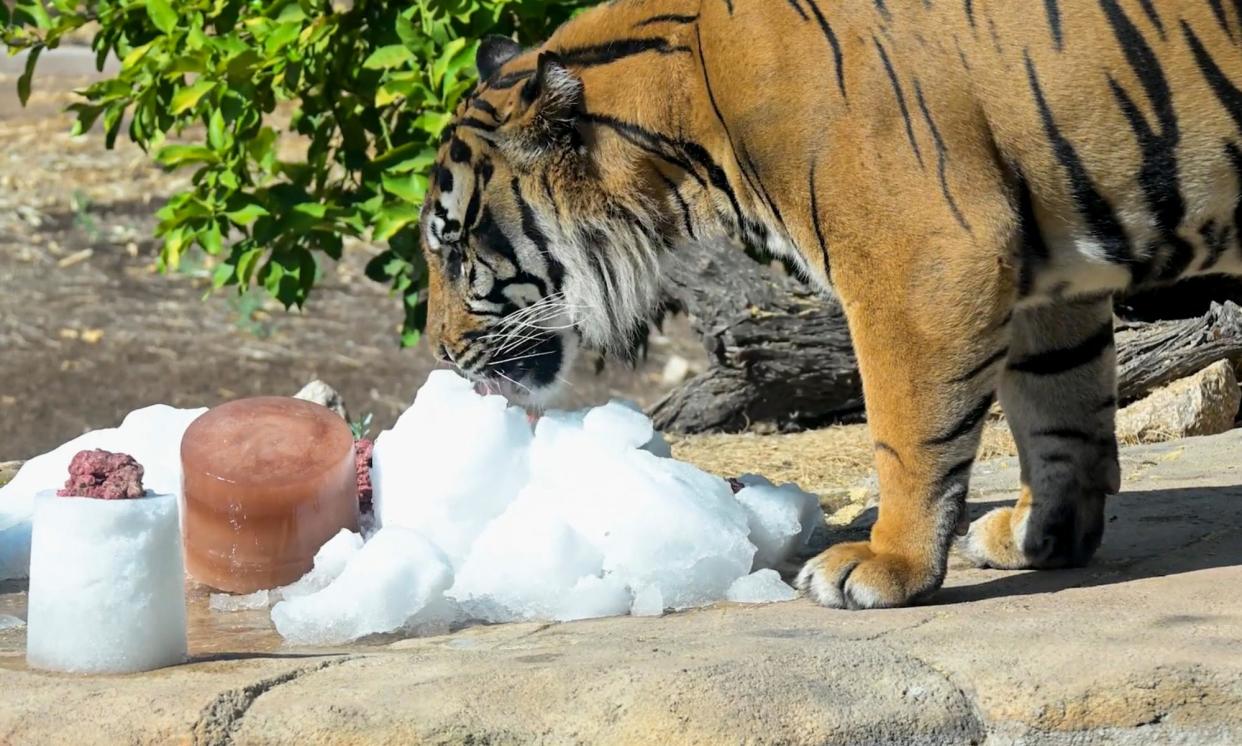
x,y
852,576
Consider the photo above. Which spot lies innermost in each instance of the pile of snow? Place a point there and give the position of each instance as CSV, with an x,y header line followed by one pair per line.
x,y
483,518
151,435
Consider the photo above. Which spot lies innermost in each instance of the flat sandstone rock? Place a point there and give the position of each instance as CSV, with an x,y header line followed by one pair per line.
x,y
1143,646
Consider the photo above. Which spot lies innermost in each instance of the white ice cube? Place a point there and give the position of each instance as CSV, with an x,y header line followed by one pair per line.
x,y
656,444
657,522
151,435
760,587
107,585
329,562
648,602
452,463
781,518
397,580
229,602
529,564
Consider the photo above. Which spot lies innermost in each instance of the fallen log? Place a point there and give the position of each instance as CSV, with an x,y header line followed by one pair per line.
x,y
1149,355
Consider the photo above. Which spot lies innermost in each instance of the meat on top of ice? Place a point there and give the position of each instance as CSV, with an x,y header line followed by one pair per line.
x,y
103,474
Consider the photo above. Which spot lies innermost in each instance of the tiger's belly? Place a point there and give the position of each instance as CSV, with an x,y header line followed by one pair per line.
x,y
1074,261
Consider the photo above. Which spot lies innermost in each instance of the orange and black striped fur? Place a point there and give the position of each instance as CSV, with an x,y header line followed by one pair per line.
x,y
974,178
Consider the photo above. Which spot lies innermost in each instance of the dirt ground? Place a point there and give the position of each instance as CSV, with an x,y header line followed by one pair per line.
x,y
90,331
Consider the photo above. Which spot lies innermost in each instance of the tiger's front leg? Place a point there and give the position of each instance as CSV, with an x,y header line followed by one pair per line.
x,y
931,337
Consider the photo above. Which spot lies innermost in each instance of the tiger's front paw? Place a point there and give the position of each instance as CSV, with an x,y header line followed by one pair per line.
x,y
852,576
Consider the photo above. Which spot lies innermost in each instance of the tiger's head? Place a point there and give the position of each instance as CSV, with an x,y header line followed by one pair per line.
x,y
541,231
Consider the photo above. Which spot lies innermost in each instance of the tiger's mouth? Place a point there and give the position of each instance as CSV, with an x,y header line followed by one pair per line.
x,y
528,375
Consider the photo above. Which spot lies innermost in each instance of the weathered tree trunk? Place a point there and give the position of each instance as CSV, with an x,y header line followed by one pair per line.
x,y
780,353
1150,355
781,356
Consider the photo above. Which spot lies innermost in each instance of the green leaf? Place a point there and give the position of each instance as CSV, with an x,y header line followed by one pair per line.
x,y
410,188
23,83
187,98
162,15
180,155
393,55
248,214
392,219
225,274
217,134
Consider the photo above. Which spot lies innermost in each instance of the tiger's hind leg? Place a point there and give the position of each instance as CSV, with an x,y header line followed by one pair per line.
x,y
1059,395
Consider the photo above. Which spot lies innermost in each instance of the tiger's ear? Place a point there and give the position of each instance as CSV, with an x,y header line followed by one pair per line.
x,y
550,104
494,52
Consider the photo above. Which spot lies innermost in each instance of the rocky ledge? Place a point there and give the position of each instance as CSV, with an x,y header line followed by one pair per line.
x,y
1143,646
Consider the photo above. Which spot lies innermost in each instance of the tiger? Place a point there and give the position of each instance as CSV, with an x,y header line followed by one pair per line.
x,y
974,180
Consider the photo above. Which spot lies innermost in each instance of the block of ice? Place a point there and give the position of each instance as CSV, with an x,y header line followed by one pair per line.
x,y
656,444
760,587
230,602
530,564
648,602
329,562
657,522
107,585
781,519
396,581
151,435
8,621
452,463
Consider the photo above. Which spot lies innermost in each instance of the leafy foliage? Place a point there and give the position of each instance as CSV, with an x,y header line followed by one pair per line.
x,y
304,121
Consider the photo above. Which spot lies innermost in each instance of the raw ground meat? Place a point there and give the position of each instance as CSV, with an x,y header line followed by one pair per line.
x,y
104,475
362,462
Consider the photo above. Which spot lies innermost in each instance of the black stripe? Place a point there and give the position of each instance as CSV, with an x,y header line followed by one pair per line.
x,y
1056,362
885,447
983,366
1107,404
880,6
667,18
953,483
1102,222
1237,7
901,100
1033,248
1056,457
1065,433
996,40
618,49
970,13
1158,175
1150,10
1222,20
819,231
794,4
485,107
1216,238
729,6
681,204
832,42
942,159
535,234
509,80
478,124
1228,94
1235,157
966,425
763,190
1053,12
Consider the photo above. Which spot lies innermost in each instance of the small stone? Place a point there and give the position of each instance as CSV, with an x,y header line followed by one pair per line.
x,y
363,448
321,393
1203,404
676,370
